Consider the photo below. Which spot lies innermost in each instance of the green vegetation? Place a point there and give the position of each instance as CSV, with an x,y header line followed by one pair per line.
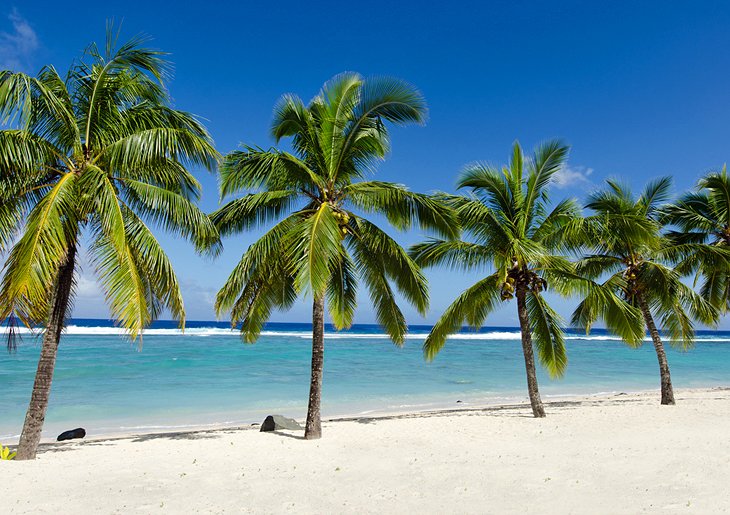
x,y
702,221
515,233
321,245
6,454
627,248
91,161
99,154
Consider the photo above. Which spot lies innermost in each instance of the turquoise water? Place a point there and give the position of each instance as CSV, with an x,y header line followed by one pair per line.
x,y
207,376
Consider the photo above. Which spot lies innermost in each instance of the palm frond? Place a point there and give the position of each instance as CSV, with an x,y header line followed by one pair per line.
x,y
471,307
402,207
341,294
547,334
397,265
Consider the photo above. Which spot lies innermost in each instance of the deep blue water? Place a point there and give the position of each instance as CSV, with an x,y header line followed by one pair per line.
x,y
207,376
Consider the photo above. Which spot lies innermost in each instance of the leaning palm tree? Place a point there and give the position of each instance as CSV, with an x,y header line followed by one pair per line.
x,y
515,234
96,155
321,244
628,252
702,220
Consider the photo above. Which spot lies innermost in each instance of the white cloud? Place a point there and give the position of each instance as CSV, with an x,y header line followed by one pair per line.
x,y
572,176
87,287
17,45
199,299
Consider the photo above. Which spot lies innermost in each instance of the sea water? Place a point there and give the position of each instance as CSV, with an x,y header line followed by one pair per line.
x,y
208,377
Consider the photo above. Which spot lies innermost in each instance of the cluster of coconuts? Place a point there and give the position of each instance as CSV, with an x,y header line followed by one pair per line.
x,y
342,220
535,283
507,291
630,276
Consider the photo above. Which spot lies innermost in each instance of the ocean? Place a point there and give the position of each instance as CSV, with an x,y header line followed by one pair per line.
x,y
207,377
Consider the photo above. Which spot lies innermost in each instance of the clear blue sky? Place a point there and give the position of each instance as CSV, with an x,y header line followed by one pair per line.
x,y
639,89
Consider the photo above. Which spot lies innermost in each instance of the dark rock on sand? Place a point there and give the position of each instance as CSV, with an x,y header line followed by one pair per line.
x,y
278,422
79,432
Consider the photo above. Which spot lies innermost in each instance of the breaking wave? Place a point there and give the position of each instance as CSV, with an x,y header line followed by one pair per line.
x,y
330,335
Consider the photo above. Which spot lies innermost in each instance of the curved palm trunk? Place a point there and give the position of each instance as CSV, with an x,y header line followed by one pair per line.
x,y
537,408
666,378
36,415
313,428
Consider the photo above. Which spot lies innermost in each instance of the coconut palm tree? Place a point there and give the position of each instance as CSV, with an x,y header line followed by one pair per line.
x,y
515,234
702,221
97,156
634,260
321,244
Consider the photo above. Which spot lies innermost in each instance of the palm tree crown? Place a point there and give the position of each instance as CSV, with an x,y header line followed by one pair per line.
x,y
320,245
515,233
702,221
102,151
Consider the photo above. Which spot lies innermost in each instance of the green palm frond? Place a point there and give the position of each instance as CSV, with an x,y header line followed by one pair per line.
x,y
171,211
454,254
32,262
655,193
318,248
253,210
603,301
151,258
490,185
254,168
266,253
372,270
547,161
125,285
390,99
547,335
396,262
702,220
341,294
471,307
403,208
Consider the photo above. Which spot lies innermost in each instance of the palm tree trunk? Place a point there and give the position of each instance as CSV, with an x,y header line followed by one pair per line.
x,y
666,378
537,408
313,428
30,437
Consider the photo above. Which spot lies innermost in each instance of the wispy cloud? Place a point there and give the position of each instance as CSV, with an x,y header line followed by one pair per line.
x,y
87,287
572,176
17,45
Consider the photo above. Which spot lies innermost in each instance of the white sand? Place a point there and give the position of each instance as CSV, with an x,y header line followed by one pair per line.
x,y
624,454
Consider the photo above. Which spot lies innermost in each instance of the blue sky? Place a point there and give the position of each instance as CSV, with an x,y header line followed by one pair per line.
x,y
638,89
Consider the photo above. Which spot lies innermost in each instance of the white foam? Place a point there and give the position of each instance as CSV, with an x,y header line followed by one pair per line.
x,y
220,331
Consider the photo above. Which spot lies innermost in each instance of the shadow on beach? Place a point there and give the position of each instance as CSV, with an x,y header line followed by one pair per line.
x,y
508,410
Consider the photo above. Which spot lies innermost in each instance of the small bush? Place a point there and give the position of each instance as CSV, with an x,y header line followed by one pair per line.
x,y
5,453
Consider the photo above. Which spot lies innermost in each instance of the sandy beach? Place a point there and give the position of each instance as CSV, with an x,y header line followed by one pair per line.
x,y
618,454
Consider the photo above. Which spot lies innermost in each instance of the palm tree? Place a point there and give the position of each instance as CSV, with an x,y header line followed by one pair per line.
x,y
319,246
522,240
628,251
98,154
702,219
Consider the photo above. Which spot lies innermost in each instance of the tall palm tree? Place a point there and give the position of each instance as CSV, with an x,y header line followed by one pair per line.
x,y
516,235
96,155
628,252
702,221
320,246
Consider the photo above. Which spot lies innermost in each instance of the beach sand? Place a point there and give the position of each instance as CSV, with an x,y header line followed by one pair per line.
x,y
616,454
